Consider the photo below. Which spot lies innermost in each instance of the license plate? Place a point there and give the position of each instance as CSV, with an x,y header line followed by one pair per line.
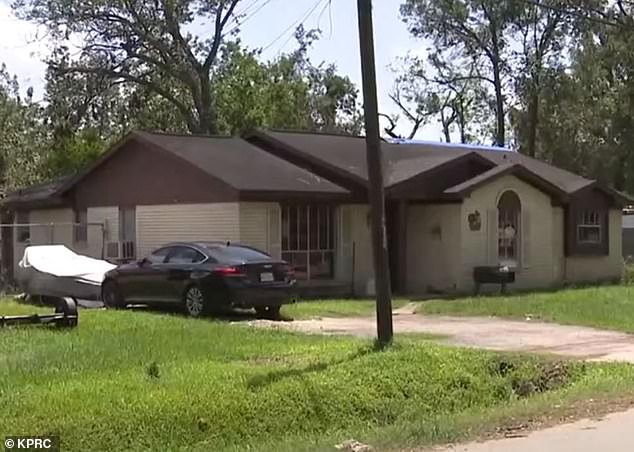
x,y
267,277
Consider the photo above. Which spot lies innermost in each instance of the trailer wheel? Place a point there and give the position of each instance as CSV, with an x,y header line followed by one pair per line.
x,y
68,307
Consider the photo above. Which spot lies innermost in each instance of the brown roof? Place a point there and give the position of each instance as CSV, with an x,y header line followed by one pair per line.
x,y
404,161
307,163
240,164
39,193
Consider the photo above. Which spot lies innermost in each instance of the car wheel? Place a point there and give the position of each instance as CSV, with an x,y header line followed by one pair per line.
x,y
194,302
111,295
268,312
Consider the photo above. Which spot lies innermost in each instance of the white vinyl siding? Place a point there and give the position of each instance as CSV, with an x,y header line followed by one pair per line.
x,y
260,227
160,224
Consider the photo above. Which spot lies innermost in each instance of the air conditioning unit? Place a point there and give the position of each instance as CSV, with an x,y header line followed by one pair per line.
x,y
121,251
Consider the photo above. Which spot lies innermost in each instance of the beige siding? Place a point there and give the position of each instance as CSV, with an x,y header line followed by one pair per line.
x,y
49,227
260,226
354,248
537,270
57,231
109,218
559,258
600,268
160,224
433,248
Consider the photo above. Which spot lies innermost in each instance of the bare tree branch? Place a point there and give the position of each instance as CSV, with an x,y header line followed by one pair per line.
x,y
220,24
390,130
124,77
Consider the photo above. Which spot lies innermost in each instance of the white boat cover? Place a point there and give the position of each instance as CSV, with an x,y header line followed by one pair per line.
x,y
57,260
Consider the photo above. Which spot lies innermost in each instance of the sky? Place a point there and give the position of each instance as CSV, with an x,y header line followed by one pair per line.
x,y
22,47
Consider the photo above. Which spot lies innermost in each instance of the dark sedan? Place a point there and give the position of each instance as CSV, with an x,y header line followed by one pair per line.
x,y
203,277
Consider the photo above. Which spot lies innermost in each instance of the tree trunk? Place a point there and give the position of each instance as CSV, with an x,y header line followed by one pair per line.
x,y
619,175
533,122
500,132
461,122
207,120
445,127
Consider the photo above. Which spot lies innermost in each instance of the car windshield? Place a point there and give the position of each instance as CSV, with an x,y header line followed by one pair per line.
x,y
240,253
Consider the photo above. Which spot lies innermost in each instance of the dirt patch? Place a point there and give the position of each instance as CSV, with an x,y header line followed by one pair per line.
x,y
488,333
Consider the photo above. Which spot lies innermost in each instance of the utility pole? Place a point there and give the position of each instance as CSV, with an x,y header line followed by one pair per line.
x,y
375,176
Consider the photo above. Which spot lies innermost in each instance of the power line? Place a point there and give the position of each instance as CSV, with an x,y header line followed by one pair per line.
x,y
301,20
328,7
249,12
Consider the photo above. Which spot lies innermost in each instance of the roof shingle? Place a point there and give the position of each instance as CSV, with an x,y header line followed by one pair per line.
x,y
229,158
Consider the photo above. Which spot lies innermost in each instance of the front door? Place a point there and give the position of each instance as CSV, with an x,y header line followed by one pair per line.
x,y
396,229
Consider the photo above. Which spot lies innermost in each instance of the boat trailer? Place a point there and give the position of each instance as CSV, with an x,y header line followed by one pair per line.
x,y
66,315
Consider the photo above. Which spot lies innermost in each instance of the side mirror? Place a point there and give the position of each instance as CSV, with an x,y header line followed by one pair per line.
x,y
142,262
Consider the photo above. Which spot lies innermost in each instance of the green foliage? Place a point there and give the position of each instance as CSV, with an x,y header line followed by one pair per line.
x,y
21,136
233,386
471,43
289,92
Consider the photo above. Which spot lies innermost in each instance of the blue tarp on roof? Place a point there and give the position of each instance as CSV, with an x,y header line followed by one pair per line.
x,y
475,147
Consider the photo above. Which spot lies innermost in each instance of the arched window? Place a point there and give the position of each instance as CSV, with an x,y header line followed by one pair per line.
x,y
509,214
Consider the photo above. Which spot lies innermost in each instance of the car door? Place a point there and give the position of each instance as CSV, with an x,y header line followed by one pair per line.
x,y
144,281
180,263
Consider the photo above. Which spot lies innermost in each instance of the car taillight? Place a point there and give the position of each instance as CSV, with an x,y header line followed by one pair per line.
x,y
229,271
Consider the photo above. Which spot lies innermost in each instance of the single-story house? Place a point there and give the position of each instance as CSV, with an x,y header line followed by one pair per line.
x,y
303,197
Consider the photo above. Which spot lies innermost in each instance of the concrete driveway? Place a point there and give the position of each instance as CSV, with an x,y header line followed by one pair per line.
x,y
488,333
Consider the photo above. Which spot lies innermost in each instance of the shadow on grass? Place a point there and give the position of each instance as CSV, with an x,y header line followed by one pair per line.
x,y
261,381
223,315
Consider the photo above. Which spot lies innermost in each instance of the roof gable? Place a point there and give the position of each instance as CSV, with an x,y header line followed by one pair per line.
x,y
514,169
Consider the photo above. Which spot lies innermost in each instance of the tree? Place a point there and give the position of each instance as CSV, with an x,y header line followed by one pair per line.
x,y
21,135
474,31
145,44
434,88
289,92
544,33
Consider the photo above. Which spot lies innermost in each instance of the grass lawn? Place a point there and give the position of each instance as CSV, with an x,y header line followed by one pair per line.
x,y
608,307
335,308
146,381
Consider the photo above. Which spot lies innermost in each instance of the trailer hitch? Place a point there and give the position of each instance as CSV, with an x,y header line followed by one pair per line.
x,y
66,316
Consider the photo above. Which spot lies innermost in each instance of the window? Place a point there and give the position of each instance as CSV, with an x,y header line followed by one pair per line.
x,y
24,230
242,253
185,255
127,232
127,224
81,226
308,242
158,256
509,213
589,227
